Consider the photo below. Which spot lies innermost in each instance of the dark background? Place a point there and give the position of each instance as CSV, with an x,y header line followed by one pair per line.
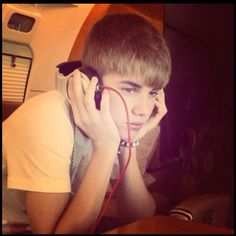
x,y
200,92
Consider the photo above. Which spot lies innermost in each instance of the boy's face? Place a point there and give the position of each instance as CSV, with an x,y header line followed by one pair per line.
x,y
138,97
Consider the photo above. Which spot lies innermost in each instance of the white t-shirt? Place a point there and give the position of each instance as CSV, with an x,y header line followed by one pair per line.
x,y
38,141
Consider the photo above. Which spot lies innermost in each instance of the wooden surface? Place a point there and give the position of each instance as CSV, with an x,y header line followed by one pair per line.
x,y
168,225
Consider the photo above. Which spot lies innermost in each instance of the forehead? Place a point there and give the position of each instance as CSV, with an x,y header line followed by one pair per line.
x,y
114,79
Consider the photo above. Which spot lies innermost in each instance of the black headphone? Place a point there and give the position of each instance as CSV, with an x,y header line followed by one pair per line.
x,y
66,68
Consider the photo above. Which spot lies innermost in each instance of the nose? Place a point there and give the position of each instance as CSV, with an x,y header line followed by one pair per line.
x,y
142,106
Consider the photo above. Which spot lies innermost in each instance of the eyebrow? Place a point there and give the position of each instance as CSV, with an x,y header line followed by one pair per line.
x,y
131,83
128,82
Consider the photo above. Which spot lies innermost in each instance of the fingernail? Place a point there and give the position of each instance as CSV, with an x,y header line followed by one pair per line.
x,y
76,71
94,78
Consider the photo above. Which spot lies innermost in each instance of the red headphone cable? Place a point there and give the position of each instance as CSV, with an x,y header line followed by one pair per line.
x,y
122,171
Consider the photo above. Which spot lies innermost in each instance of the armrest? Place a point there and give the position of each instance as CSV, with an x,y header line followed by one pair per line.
x,y
212,208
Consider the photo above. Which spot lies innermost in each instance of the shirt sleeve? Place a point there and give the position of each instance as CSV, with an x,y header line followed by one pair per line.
x,y
38,144
61,83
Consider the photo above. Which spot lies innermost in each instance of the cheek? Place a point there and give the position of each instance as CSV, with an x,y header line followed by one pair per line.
x,y
118,110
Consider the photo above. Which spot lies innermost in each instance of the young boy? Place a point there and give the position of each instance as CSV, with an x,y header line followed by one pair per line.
x,y
59,156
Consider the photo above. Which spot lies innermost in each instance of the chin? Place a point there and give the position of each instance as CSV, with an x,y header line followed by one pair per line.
x,y
124,135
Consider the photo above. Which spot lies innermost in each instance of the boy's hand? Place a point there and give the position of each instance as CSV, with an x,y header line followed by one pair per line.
x,y
154,118
97,124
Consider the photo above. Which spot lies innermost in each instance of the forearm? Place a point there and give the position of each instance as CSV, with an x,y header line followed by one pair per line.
x,y
84,208
133,199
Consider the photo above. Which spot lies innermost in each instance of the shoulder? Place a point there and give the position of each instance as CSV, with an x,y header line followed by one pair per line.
x,y
46,106
41,120
52,100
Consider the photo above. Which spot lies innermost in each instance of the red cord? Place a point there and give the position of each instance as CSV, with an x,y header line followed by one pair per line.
x,y
122,171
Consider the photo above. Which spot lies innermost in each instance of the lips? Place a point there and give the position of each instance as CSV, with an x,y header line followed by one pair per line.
x,y
135,125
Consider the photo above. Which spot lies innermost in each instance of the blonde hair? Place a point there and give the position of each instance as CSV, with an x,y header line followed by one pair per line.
x,y
126,44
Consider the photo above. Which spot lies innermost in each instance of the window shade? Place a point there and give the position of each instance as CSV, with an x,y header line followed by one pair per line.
x,y
15,72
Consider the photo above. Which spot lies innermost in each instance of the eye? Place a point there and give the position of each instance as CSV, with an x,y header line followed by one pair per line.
x,y
129,90
154,93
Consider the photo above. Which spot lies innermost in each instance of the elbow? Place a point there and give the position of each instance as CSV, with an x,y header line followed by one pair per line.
x,y
80,226
153,207
151,210
148,210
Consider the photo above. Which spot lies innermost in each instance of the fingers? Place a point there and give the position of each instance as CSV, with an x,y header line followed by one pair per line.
x,y
89,101
105,102
161,110
76,99
75,91
86,116
160,102
160,96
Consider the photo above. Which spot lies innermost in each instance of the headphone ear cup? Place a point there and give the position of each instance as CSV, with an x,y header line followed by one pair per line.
x,y
98,94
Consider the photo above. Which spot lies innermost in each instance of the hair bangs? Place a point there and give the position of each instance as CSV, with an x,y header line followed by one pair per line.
x,y
151,73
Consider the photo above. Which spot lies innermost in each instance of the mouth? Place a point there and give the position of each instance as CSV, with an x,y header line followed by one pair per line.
x,y
135,125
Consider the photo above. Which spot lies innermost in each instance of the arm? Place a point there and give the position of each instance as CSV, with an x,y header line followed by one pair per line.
x,y
86,205
57,213
133,199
